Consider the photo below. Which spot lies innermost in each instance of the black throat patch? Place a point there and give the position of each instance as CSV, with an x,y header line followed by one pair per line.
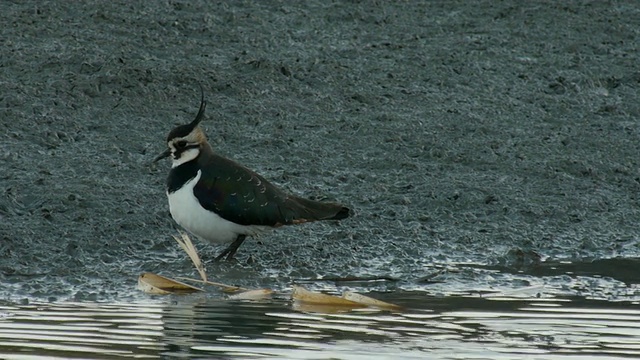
x,y
178,176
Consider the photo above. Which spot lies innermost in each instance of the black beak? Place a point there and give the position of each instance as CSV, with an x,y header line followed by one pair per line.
x,y
165,154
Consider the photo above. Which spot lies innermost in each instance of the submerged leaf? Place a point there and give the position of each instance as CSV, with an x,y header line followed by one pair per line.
x,y
321,308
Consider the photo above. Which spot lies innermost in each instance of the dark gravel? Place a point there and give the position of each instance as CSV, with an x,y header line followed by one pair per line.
x,y
489,132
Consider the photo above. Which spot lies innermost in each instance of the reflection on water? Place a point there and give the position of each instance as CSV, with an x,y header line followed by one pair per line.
x,y
200,327
80,330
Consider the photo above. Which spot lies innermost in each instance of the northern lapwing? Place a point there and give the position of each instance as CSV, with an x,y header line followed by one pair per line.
x,y
222,201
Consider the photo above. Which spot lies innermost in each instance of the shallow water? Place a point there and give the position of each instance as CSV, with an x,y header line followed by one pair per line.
x,y
492,326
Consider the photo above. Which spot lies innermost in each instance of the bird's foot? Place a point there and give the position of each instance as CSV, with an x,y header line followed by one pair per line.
x,y
231,250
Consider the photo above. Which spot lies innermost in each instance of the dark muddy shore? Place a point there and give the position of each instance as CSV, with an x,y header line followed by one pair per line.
x,y
497,133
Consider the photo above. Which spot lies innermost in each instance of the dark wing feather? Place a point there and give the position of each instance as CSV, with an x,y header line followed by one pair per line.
x,y
242,196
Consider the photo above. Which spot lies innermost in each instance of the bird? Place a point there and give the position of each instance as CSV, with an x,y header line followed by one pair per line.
x,y
222,201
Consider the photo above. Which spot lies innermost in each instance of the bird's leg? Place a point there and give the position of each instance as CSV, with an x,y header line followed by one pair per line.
x,y
231,249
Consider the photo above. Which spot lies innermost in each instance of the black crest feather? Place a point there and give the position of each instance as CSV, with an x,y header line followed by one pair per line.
x,y
184,130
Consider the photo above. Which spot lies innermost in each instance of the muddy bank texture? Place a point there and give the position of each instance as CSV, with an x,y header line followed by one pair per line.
x,y
458,132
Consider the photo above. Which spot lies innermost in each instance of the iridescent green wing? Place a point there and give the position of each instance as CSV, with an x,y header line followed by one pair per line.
x,y
241,196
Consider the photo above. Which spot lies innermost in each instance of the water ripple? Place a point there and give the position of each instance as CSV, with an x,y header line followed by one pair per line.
x,y
449,327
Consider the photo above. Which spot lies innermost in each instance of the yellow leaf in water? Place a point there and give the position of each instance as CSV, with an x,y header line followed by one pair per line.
x,y
309,297
365,300
257,294
157,284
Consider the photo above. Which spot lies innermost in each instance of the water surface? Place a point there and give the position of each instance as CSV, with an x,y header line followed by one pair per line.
x,y
492,326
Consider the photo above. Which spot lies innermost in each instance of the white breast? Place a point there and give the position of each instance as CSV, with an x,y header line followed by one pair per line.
x,y
186,211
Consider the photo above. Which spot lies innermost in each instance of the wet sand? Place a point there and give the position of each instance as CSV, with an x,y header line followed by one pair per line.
x,y
492,133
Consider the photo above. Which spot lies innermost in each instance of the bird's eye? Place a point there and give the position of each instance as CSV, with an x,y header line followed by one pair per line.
x,y
181,144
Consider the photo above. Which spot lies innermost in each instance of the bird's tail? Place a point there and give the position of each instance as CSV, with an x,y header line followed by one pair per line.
x,y
310,210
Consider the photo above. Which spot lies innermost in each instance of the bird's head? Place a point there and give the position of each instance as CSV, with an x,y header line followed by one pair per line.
x,y
186,141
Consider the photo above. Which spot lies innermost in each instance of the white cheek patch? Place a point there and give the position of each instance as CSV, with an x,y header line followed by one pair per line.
x,y
185,156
